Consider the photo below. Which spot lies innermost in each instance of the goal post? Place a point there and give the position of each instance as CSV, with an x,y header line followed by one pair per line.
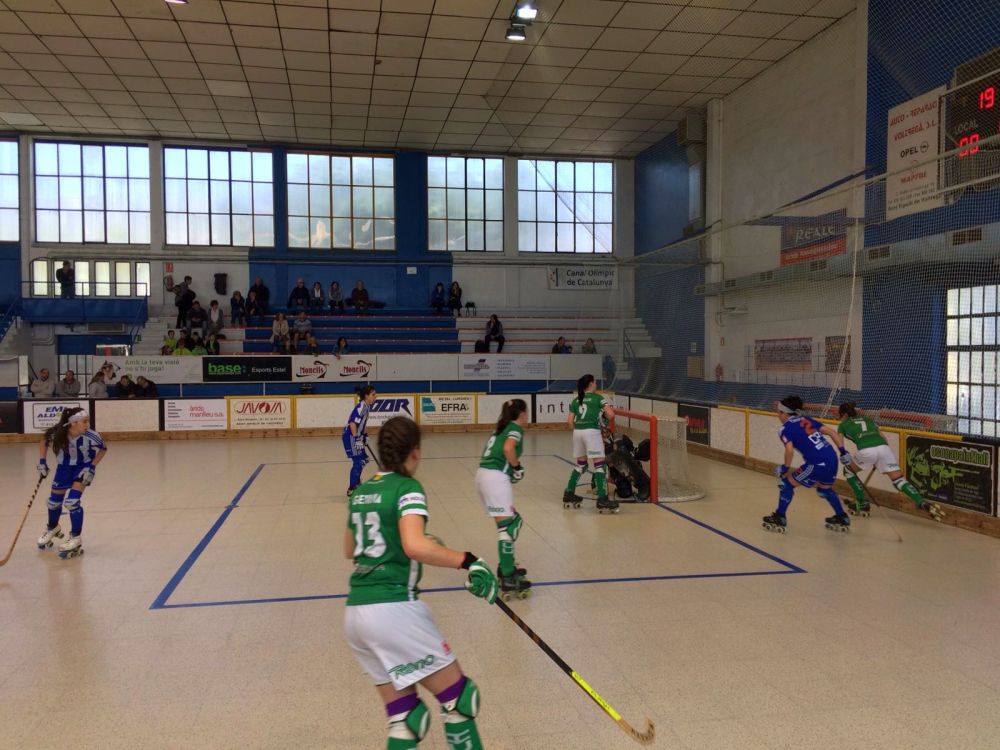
x,y
669,473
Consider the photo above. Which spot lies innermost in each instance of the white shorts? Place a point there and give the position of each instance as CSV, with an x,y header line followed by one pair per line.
x,y
880,456
396,642
496,492
588,443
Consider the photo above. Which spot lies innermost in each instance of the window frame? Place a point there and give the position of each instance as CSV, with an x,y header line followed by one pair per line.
x,y
972,347
485,221
17,186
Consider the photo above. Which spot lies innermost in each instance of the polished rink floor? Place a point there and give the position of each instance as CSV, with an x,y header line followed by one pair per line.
x,y
206,612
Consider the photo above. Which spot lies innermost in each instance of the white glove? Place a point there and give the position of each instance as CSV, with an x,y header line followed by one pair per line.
x,y
516,474
86,477
43,469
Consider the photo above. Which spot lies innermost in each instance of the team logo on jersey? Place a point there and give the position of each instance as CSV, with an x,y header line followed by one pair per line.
x,y
402,670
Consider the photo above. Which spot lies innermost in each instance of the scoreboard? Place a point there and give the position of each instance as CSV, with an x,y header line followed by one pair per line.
x,y
970,118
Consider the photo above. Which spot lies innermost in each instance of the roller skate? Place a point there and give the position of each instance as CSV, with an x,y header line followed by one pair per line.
x,y
933,509
839,523
606,505
856,508
46,540
514,586
71,548
775,522
571,500
518,571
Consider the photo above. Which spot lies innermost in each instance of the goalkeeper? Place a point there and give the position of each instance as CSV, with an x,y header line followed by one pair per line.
x,y
873,450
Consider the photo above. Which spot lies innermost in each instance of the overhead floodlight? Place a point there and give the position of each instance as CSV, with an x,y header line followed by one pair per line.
x,y
515,33
176,2
527,11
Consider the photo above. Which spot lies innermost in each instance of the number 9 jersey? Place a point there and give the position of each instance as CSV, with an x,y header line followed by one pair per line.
x,y
383,573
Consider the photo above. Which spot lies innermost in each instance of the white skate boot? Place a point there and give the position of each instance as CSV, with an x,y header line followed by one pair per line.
x,y
71,548
47,539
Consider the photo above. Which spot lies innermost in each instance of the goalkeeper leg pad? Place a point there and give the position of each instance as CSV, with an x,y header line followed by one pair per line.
x,y
409,721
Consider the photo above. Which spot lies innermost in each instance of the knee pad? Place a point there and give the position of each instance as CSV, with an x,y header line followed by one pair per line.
x,y
828,494
410,725
72,501
599,466
55,501
464,707
508,531
581,464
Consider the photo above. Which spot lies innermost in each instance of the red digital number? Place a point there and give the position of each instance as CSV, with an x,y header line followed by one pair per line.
x,y
987,98
968,140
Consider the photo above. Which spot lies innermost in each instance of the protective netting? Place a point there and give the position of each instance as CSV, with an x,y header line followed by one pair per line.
x,y
669,473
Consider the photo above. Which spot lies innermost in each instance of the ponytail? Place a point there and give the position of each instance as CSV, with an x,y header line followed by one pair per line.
x,y
58,434
849,409
581,387
511,410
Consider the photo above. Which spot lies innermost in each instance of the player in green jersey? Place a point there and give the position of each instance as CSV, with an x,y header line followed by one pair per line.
x,y
390,631
585,414
873,450
499,469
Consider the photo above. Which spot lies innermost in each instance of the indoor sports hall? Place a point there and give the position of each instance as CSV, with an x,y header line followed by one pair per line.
x,y
461,374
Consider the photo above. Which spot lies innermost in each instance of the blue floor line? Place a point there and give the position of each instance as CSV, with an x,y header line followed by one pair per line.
x,y
161,601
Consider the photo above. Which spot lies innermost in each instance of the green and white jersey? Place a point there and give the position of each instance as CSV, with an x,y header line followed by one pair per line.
x,y
383,573
862,431
587,416
493,457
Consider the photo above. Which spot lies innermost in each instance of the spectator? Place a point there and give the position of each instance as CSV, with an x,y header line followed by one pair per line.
x,y
197,319
97,387
108,371
279,332
69,386
455,299
144,388
126,388
183,348
183,300
359,298
43,386
254,308
561,347
588,347
302,329
170,343
299,298
494,332
336,298
216,318
341,347
317,299
263,295
212,344
67,281
198,347
437,298
237,311
312,346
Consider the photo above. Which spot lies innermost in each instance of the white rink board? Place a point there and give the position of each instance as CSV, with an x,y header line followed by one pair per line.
x,y
187,414
264,413
323,411
416,367
128,415
728,431
41,415
765,445
552,408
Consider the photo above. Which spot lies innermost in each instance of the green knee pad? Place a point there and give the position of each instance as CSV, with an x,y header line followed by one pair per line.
x,y
511,527
459,716
406,730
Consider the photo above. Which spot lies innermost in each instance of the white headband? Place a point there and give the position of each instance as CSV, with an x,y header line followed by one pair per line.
x,y
79,417
785,410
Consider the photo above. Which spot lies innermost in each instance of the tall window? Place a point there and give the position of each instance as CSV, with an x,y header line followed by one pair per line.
x,y
464,203
564,206
9,193
91,193
341,202
218,197
973,359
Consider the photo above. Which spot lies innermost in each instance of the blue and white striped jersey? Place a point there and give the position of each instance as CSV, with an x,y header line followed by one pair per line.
x,y
81,450
359,418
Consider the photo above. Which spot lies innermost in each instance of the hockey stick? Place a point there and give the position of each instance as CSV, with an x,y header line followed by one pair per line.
x,y
871,499
19,528
374,457
643,738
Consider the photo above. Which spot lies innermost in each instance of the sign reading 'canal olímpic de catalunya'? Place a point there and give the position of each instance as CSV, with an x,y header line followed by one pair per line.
x,y
583,277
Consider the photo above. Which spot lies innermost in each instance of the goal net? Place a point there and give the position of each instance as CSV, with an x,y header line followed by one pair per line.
x,y
669,475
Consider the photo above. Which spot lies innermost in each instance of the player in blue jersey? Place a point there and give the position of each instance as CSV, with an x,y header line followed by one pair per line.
x,y
78,451
356,437
819,468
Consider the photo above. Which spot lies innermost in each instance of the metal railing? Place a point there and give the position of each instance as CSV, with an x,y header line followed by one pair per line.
x,y
10,317
85,290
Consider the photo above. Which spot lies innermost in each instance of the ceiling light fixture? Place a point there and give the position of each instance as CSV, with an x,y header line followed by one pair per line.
x,y
526,11
176,2
515,33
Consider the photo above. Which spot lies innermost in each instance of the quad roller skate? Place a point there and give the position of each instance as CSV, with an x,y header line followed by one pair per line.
x,y
71,548
862,509
514,586
775,522
46,540
839,523
518,571
934,510
571,500
606,505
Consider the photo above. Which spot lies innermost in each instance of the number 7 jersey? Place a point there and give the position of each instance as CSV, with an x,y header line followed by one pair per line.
x,y
383,573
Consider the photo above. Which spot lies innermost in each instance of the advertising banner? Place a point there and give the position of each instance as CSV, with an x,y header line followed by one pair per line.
x,y
263,413
9,421
386,407
698,422
962,474
323,411
807,238
41,415
128,415
246,369
783,354
448,409
181,415
503,367
583,277
913,138
157,369
552,407
330,369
